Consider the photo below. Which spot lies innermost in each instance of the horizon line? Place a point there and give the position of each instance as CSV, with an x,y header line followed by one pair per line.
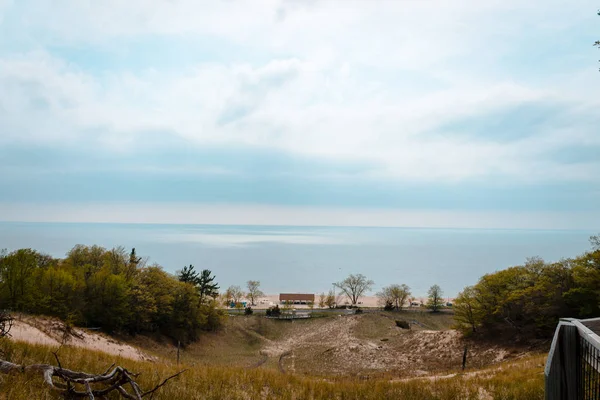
x,y
226,224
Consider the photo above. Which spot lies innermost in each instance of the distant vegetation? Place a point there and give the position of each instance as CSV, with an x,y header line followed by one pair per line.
x,y
111,289
394,296
528,300
435,300
354,287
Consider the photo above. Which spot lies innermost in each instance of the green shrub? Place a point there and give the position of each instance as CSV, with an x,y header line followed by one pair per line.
x,y
400,323
273,311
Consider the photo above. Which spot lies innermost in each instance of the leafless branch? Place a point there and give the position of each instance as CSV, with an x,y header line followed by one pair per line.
x,y
6,323
94,386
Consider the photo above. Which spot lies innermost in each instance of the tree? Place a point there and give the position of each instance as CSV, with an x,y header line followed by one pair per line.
x,y
117,260
16,273
435,298
330,299
467,309
394,295
188,275
132,265
112,290
234,294
206,286
595,240
203,282
253,290
107,303
354,286
322,299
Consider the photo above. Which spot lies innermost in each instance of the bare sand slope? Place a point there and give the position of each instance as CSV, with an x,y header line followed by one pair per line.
x,y
26,333
51,332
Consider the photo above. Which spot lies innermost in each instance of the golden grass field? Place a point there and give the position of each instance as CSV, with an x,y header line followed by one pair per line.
x,y
327,358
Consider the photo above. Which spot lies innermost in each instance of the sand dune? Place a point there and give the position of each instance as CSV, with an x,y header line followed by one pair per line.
x,y
50,332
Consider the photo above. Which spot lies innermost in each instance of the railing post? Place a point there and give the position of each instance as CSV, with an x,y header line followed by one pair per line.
x,y
571,361
563,363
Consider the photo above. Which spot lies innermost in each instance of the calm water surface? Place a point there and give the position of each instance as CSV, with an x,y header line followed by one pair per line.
x,y
310,259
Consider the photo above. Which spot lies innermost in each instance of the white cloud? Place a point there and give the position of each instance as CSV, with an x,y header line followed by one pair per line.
x,y
321,98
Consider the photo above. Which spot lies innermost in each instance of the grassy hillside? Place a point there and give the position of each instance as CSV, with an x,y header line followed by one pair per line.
x,y
243,338
335,357
513,380
369,346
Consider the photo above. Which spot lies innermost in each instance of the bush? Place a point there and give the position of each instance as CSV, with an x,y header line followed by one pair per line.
x,y
400,323
248,311
389,306
358,311
273,311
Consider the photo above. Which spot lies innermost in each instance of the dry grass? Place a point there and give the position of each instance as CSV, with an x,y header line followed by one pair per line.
x,y
367,345
522,379
330,358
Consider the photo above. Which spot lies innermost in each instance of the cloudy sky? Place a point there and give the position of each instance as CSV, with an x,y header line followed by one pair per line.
x,y
462,113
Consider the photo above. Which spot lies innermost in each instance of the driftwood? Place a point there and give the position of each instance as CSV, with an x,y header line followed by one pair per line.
x,y
114,379
6,322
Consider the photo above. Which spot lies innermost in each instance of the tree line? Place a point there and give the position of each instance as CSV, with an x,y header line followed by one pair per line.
x,y
112,289
353,287
115,290
392,297
529,299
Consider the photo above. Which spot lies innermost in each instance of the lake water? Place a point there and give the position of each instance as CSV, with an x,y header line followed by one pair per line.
x,y
307,259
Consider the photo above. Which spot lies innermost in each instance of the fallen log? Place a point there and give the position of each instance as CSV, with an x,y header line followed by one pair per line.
x,y
115,379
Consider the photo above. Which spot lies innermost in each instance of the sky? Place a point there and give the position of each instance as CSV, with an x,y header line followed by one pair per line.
x,y
421,113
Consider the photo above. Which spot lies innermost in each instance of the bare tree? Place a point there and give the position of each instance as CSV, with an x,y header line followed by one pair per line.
x,y
234,294
253,290
395,295
354,286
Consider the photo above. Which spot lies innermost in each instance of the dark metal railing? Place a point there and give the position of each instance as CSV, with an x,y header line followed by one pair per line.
x,y
573,366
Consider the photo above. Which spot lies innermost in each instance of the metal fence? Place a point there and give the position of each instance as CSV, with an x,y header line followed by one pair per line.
x,y
573,366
